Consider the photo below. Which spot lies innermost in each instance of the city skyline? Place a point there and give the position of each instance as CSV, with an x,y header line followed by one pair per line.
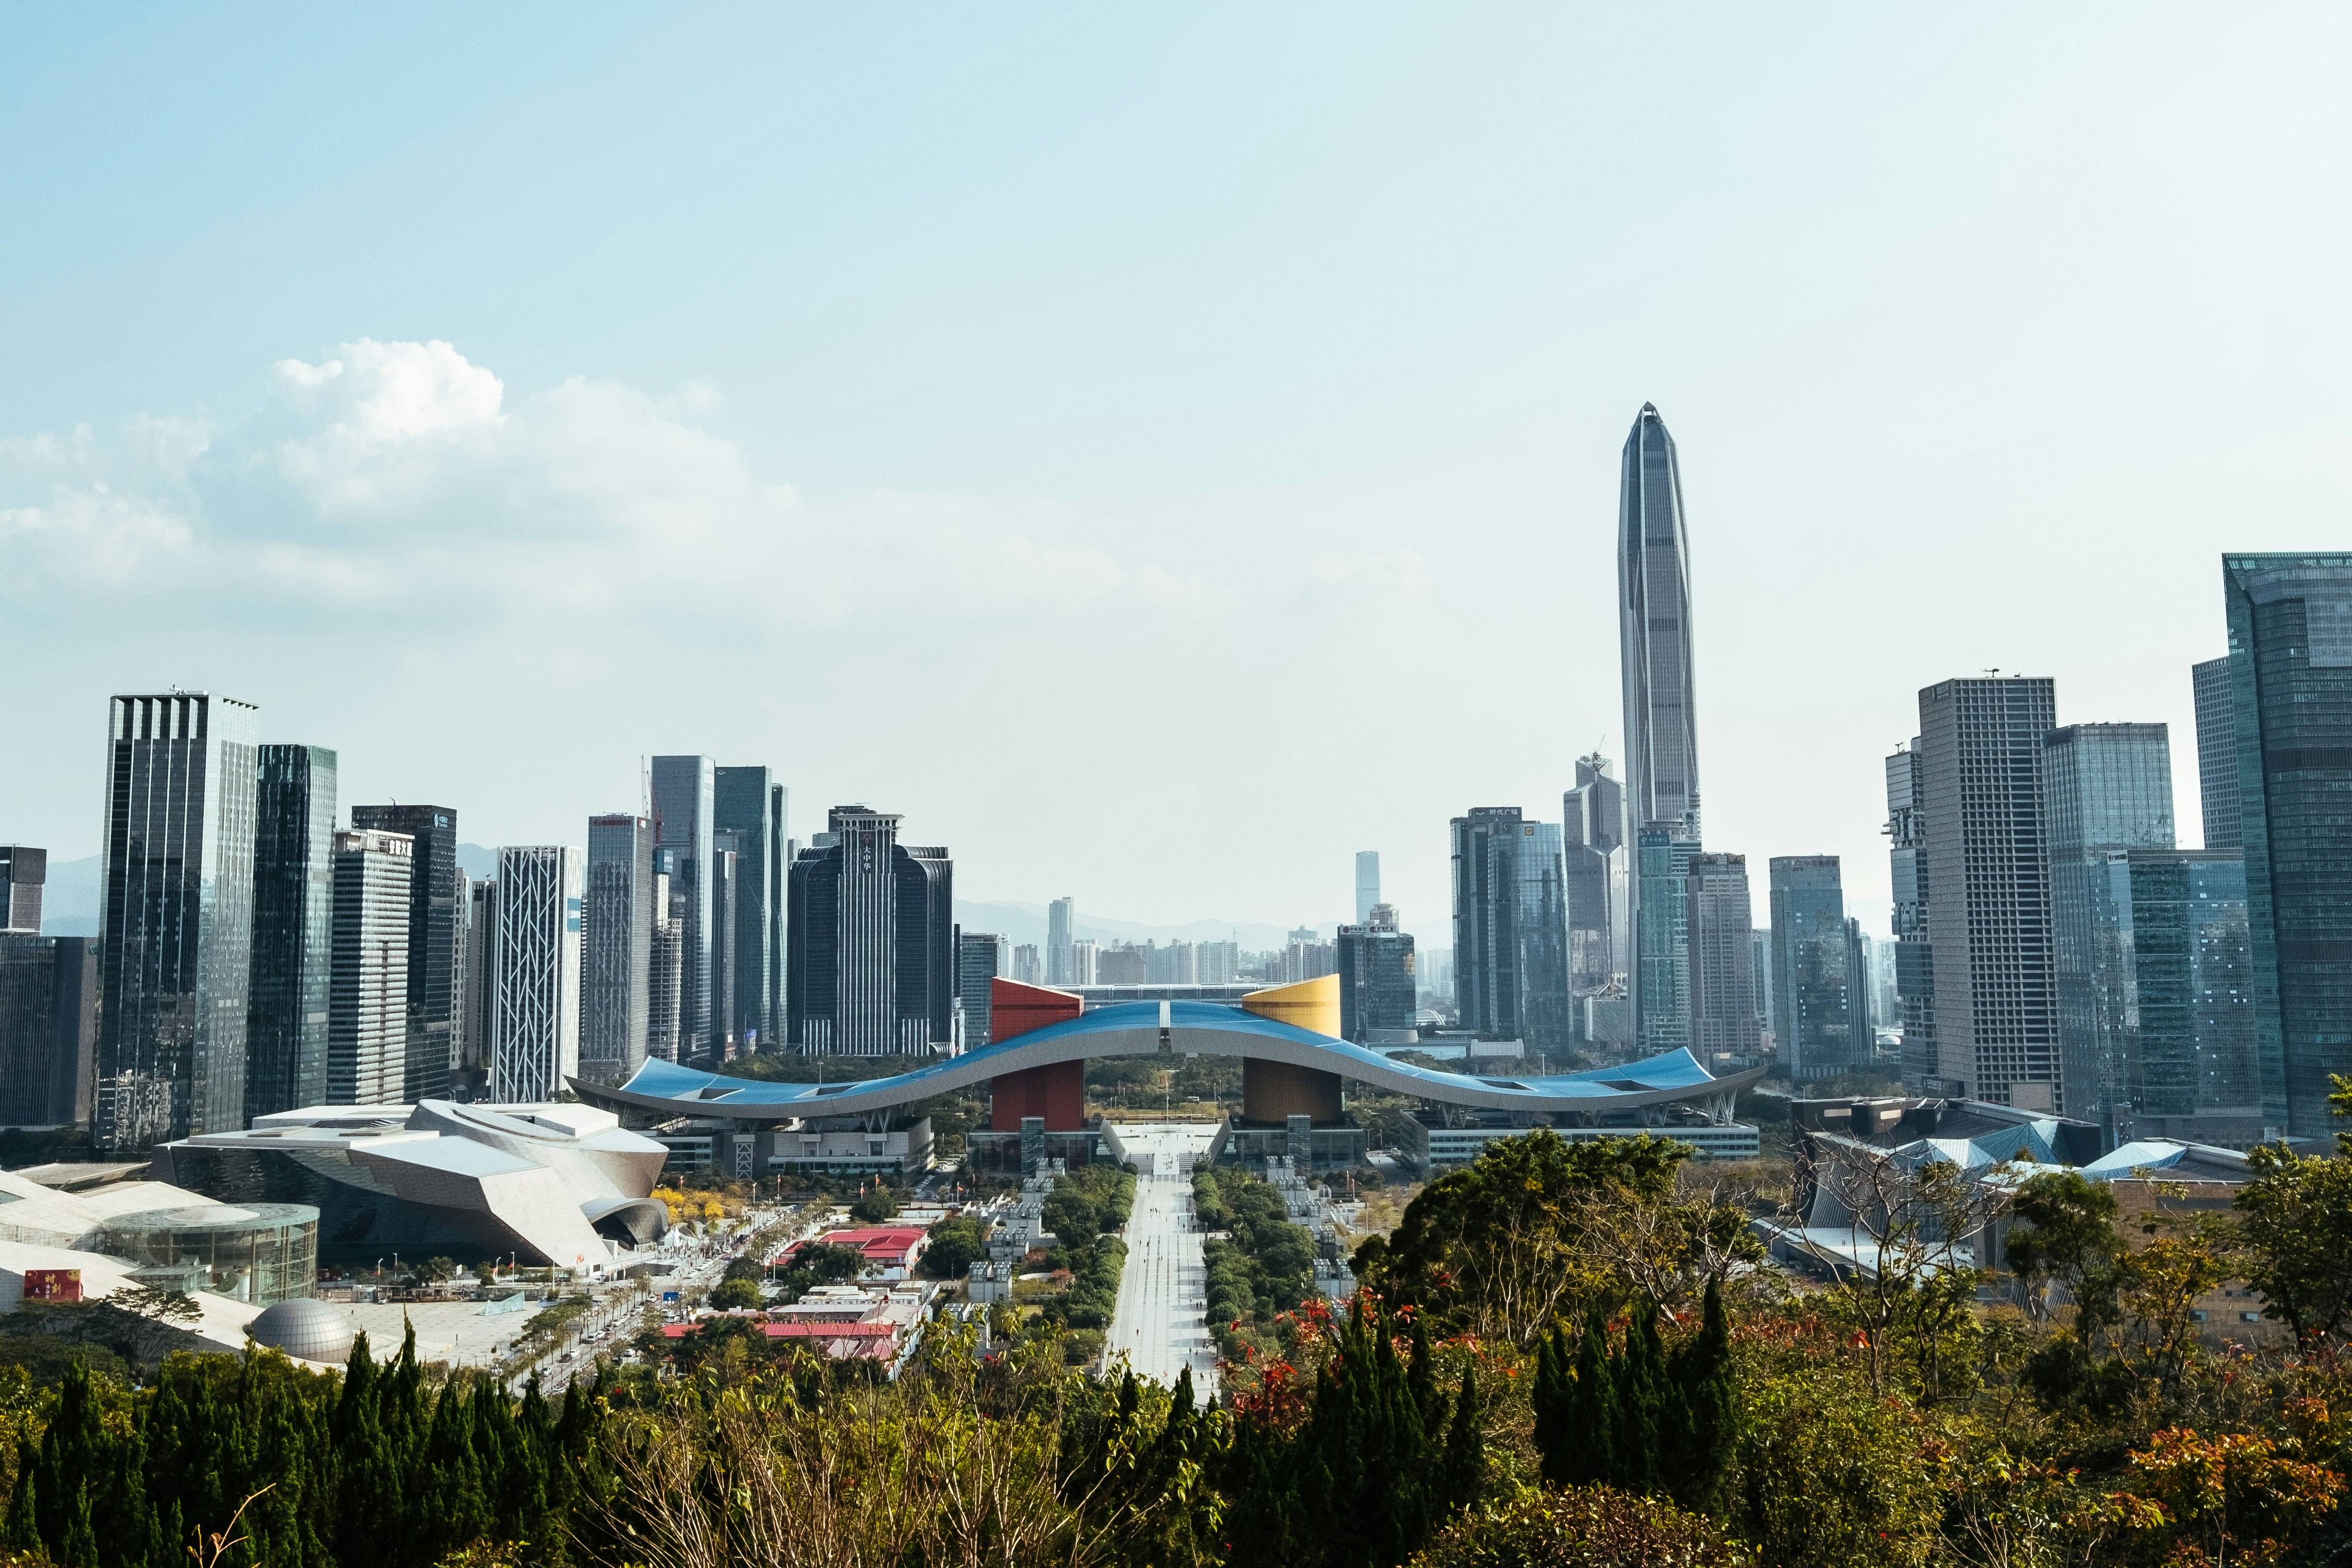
x,y
1184,456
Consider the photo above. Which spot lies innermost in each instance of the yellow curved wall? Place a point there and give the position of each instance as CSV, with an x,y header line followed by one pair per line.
x,y
1311,1004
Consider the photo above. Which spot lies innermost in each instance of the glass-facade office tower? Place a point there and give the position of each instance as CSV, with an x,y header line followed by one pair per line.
x,y
1379,993
2104,788
749,803
1593,832
175,918
1486,920
1368,884
481,953
1723,957
617,948
535,973
2217,752
23,871
1759,944
1860,1007
285,1009
981,957
2291,703
1546,999
666,970
48,1028
1812,1019
370,1031
436,982
1662,980
870,941
1914,963
682,808
2190,1066
1989,921
1061,930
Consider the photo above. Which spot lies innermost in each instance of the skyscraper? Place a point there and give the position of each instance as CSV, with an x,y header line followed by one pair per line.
x,y
666,968
749,803
1662,980
48,1028
1723,958
617,945
684,788
535,973
2190,1060
1593,832
177,917
1379,993
481,962
1759,944
2217,752
369,1028
1083,954
1547,998
1915,972
1813,1023
726,1025
1988,921
23,871
1061,929
1368,883
2104,788
1486,920
871,940
2291,706
1662,795
465,1045
286,1014
436,986
980,958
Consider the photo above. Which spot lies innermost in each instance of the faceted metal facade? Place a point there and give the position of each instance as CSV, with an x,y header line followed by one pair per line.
x,y
535,973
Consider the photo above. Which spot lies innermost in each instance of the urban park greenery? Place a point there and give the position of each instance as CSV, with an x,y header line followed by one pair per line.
x,y
1566,1354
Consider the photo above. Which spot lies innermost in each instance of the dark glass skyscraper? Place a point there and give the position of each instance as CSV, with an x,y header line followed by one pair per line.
x,y
436,979
1653,616
1813,1003
1379,1000
177,917
2217,752
684,807
1662,928
23,871
617,948
286,1022
2291,701
871,941
1915,969
1486,920
749,803
2104,788
1723,957
48,1028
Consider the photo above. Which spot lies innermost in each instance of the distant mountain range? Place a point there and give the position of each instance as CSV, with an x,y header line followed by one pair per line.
x,y
70,907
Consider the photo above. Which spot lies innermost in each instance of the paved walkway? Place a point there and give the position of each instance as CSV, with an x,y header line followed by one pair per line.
x,y
1160,1324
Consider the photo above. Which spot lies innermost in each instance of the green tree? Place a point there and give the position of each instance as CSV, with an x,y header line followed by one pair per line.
x,y
956,1244
2065,1235
1588,1527
733,1295
874,1208
2295,1222
1070,1214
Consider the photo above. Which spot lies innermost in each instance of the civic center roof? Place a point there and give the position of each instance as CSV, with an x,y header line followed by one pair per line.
x,y
1145,1028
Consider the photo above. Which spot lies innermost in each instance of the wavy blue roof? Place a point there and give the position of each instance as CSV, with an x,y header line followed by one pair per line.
x,y
1132,1028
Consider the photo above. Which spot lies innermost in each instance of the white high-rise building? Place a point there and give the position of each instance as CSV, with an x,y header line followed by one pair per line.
x,y
367,992
1079,967
535,973
1368,884
1061,921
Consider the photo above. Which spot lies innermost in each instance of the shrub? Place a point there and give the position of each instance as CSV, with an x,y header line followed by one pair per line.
x,y
1583,1527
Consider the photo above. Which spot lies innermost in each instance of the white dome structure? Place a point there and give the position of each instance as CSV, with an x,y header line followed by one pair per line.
x,y
307,1329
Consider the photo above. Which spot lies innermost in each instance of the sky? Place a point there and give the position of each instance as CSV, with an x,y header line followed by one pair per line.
x,y
1161,451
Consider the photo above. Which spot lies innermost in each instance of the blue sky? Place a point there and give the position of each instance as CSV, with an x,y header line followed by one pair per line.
x,y
1160,452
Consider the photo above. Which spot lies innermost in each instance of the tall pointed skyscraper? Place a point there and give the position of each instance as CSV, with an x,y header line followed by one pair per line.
x,y
1660,727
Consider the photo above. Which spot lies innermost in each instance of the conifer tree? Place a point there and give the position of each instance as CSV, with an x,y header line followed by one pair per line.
x,y
1703,1378
23,1532
1638,1373
1590,1436
1465,1450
